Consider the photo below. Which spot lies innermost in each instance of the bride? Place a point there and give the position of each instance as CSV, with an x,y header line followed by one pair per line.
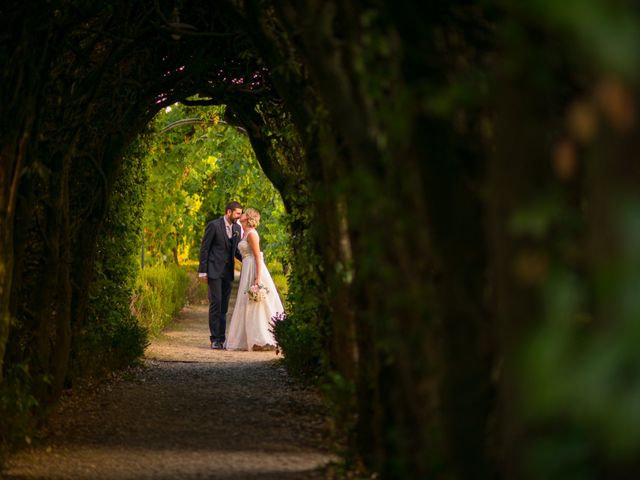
x,y
250,322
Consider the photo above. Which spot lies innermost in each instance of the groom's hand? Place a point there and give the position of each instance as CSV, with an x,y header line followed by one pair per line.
x,y
202,278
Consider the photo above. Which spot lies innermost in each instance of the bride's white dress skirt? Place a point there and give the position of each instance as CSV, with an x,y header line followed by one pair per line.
x,y
251,321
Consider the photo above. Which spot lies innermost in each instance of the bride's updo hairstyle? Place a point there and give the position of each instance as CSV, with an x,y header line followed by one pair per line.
x,y
253,217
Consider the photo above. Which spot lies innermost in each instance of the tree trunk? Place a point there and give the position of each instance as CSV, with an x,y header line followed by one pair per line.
x,y
11,169
20,104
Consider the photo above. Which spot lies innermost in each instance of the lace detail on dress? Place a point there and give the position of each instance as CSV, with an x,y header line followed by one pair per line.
x,y
244,249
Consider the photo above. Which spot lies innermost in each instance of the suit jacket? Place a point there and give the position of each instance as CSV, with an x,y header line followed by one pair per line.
x,y
217,250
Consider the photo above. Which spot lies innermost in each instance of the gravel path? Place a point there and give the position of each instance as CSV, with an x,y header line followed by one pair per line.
x,y
190,412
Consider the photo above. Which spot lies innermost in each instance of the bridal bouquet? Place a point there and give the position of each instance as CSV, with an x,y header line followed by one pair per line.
x,y
257,293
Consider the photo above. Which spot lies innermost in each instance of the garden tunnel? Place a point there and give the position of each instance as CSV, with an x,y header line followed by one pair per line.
x,y
462,203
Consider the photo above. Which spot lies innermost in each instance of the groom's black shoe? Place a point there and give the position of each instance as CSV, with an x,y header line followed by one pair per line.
x,y
217,346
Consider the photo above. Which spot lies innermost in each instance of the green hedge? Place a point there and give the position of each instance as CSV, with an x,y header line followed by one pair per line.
x,y
161,292
279,278
301,333
300,344
111,338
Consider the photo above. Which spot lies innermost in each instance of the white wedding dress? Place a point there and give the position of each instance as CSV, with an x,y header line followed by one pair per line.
x,y
251,321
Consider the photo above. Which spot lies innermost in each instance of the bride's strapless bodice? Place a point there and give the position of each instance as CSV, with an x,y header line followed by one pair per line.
x,y
245,249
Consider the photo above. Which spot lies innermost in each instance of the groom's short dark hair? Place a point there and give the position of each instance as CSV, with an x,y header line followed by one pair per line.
x,y
232,206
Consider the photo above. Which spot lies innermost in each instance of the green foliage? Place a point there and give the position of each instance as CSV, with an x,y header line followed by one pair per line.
x,y
583,376
195,170
501,99
605,31
279,278
301,333
197,292
161,294
578,372
112,338
300,344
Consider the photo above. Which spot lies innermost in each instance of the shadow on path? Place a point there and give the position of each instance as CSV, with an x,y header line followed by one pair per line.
x,y
191,412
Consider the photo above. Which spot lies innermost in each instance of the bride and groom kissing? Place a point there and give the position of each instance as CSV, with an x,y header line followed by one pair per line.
x,y
225,239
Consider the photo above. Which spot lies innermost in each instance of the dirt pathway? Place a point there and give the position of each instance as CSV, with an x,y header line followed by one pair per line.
x,y
191,412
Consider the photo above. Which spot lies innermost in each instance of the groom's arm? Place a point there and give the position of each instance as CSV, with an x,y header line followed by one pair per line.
x,y
207,238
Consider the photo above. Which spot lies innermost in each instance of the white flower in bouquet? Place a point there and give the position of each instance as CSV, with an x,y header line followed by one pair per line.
x,y
257,293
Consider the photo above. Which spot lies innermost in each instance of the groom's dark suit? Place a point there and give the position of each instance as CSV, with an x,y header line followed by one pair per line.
x,y
216,260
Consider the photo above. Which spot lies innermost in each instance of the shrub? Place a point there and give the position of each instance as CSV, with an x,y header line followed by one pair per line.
x,y
303,334
280,281
197,292
111,338
298,341
279,278
161,294
116,341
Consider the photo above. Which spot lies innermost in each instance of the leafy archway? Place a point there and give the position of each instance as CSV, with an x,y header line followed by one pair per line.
x,y
196,163
93,78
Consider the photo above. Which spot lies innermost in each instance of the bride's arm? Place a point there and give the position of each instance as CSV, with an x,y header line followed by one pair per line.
x,y
254,244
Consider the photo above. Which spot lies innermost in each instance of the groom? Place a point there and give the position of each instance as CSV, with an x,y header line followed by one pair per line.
x,y
219,246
